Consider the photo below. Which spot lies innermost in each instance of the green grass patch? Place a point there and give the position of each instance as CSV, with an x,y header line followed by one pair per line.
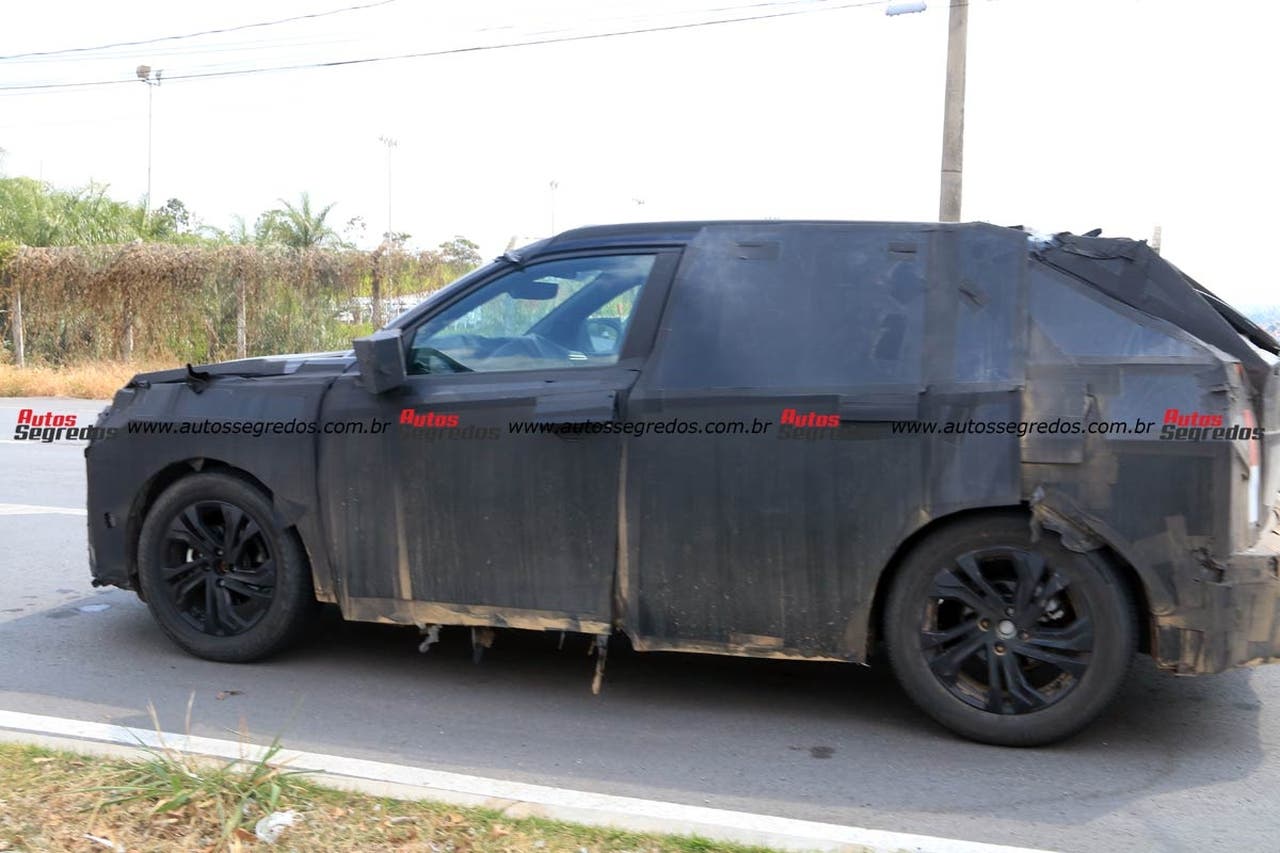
x,y
51,800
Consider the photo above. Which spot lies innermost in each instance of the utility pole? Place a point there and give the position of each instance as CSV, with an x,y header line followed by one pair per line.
x,y
152,80
953,113
953,101
390,143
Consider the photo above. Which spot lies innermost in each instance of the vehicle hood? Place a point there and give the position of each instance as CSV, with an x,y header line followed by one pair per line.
x,y
331,363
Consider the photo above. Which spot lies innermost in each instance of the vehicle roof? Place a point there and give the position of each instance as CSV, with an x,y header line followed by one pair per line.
x,y
1151,284
660,233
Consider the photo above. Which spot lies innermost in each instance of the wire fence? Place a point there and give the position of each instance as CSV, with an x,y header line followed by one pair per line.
x,y
202,303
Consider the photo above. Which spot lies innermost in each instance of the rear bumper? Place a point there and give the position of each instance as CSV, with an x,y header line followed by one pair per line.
x,y
1235,620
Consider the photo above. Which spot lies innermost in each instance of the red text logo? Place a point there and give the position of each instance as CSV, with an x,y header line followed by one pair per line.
x,y
48,419
1191,419
790,417
408,417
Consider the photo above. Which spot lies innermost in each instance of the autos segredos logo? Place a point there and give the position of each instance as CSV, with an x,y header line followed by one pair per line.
x,y
438,426
49,427
421,420
792,418
1194,426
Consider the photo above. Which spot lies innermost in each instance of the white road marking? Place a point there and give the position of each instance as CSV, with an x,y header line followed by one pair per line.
x,y
32,509
515,798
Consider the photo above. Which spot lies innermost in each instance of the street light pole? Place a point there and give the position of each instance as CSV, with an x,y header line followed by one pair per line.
x,y
150,143
144,73
390,143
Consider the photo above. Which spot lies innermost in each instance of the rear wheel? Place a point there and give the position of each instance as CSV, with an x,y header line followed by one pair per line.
x,y
224,582
1004,640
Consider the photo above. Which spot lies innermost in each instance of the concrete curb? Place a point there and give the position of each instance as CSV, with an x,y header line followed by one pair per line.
x,y
516,799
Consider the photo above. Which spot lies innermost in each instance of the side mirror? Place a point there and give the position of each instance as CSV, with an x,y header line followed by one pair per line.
x,y
381,360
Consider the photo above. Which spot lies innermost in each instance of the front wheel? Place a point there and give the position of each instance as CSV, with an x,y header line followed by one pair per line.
x,y
1004,640
222,579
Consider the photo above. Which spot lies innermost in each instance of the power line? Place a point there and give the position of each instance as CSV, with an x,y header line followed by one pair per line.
x,y
58,56
337,63
219,31
248,46
286,42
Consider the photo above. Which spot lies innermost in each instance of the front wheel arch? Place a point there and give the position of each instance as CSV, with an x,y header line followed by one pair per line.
x,y
162,480
275,566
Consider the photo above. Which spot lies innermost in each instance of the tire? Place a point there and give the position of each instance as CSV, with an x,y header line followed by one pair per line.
x,y
210,545
978,603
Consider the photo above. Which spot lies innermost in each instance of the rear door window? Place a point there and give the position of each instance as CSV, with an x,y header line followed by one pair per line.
x,y
825,307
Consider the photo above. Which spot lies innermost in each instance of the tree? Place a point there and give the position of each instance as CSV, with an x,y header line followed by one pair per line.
x,y
171,220
33,213
26,213
460,254
297,227
238,233
353,232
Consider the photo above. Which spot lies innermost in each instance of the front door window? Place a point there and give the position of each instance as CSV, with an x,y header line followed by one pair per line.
x,y
572,312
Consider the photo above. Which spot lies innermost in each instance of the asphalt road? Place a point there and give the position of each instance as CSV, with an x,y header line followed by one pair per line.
x,y
1177,764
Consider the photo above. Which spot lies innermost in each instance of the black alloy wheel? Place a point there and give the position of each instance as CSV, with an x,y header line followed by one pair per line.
x,y
221,577
1003,632
217,567
1005,640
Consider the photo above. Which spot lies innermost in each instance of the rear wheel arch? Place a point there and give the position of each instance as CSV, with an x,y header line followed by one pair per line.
x,y
1005,635
1121,567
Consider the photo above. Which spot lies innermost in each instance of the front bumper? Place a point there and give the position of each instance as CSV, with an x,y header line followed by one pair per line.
x,y
1235,618
109,501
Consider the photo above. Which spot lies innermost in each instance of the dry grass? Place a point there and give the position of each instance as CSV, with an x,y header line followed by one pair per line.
x,y
94,381
81,303
52,801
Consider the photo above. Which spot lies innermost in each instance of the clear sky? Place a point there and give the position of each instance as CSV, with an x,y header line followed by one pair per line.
x,y
1119,114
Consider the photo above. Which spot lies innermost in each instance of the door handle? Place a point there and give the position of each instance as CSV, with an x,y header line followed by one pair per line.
x,y
576,407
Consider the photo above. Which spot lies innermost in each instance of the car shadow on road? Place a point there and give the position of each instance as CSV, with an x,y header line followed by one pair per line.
x,y
835,729
817,740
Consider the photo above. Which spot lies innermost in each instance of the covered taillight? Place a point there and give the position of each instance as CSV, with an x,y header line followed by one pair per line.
x,y
1255,466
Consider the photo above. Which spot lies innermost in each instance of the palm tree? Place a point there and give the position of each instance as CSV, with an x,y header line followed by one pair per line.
x,y
35,214
299,227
